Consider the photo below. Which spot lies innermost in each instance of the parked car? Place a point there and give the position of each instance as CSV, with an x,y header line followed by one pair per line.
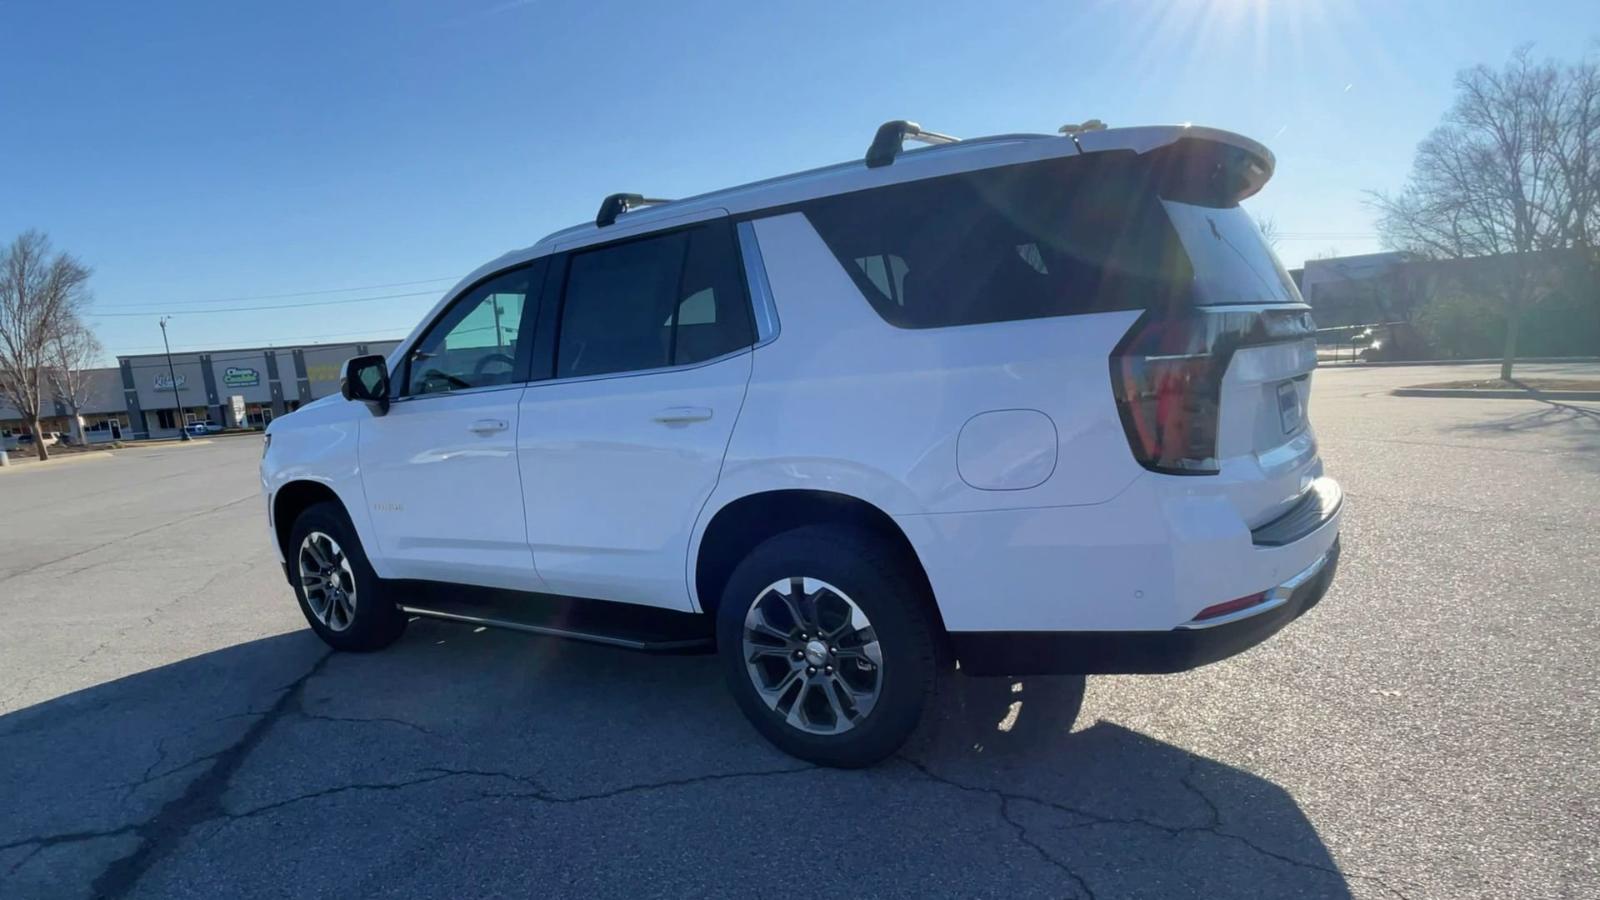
x,y
1029,403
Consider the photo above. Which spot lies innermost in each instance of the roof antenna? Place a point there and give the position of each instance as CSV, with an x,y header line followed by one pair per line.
x,y
1071,130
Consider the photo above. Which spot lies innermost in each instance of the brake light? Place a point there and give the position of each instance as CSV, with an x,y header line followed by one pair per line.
x,y
1166,375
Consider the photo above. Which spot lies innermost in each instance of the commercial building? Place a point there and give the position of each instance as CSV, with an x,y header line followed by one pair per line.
x,y
143,398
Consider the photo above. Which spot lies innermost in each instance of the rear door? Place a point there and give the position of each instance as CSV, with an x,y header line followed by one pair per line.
x,y
1265,444
621,445
440,468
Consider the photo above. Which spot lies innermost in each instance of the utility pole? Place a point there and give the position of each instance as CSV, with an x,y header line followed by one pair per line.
x,y
177,401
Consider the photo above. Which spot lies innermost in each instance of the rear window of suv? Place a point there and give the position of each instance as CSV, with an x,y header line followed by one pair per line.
x,y
1232,262
1052,238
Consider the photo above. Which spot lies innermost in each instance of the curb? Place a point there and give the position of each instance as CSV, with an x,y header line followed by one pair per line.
x,y
1466,394
62,459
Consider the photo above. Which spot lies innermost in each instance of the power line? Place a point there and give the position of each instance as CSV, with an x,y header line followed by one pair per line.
x,y
275,343
365,287
234,309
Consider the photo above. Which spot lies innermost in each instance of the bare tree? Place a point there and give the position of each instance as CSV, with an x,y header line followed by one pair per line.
x,y
39,293
1269,230
1509,173
71,354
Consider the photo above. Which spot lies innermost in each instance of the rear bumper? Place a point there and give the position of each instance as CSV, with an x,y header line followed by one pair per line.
x,y
1189,646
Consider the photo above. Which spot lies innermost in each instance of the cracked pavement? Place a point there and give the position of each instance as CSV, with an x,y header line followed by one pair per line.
x,y
170,728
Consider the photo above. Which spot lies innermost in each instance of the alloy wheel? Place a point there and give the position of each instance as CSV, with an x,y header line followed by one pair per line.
x,y
328,581
812,655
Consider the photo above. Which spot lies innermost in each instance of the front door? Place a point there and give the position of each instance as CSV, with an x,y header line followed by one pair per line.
x,y
440,469
622,447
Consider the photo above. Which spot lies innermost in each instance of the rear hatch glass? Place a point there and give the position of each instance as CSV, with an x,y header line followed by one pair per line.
x,y
1232,262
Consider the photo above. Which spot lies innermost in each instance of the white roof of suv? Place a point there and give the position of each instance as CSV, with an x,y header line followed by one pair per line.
x,y
944,158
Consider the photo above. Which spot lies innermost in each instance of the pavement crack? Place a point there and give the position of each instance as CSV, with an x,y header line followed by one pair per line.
x,y
200,802
368,720
44,842
1022,835
188,517
332,791
536,790
1214,826
148,619
1006,799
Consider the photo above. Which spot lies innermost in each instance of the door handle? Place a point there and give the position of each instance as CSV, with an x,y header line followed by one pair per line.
x,y
678,415
488,426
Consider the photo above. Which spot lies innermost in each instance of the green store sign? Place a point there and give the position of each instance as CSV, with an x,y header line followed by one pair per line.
x,y
240,377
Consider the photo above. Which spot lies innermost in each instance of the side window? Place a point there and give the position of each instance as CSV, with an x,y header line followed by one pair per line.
x,y
477,342
1028,241
670,299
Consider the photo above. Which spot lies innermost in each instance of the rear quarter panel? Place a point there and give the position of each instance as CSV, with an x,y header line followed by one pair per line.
x,y
842,400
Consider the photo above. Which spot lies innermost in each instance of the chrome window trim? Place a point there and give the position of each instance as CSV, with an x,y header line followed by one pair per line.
x,y
763,308
631,373
460,392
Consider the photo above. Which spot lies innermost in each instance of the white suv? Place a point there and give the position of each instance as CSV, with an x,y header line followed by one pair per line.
x,y
1028,403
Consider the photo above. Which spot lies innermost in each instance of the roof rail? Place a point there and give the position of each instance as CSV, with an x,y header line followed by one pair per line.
x,y
617,204
891,135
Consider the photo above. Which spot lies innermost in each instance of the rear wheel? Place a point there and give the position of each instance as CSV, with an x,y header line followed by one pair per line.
x,y
345,602
828,645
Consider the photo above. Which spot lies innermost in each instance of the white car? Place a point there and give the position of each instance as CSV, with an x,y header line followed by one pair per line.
x,y
1029,403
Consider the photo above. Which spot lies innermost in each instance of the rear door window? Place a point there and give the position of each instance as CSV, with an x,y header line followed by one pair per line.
x,y
665,300
1052,238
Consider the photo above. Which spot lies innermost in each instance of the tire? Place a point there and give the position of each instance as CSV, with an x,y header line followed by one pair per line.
x,y
371,620
793,708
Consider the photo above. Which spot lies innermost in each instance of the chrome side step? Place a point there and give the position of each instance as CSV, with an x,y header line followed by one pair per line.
x,y
665,645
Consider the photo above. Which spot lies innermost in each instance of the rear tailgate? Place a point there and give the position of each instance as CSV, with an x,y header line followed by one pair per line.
x,y
1218,384
1266,451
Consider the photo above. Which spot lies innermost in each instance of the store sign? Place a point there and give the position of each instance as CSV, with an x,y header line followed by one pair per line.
x,y
235,376
323,372
164,382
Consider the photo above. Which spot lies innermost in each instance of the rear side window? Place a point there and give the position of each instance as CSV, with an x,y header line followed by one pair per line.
x,y
1052,238
664,300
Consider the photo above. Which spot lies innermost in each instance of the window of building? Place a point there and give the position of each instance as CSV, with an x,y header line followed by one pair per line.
x,y
165,419
664,300
477,342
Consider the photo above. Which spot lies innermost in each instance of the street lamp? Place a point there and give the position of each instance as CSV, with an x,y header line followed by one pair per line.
x,y
172,374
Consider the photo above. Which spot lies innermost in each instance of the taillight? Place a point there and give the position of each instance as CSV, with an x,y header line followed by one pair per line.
x,y
1166,375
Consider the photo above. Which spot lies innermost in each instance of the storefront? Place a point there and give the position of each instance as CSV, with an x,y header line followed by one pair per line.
x,y
265,383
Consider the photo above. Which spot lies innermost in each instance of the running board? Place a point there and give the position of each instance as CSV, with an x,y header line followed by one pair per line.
x,y
625,625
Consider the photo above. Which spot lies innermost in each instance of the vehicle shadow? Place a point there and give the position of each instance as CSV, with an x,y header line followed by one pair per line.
x,y
586,769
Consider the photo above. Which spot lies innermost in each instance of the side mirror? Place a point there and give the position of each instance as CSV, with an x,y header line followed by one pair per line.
x,y
366,378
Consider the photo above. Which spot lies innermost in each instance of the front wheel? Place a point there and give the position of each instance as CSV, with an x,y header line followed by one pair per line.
x,y
828,645
346,603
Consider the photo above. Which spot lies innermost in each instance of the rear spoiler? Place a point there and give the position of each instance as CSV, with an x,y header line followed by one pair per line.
x,y
1207,165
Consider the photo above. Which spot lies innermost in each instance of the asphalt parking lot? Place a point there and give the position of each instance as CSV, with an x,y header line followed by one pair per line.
x,y
169,726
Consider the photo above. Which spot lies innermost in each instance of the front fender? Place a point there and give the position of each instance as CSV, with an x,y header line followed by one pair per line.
x,y
322,448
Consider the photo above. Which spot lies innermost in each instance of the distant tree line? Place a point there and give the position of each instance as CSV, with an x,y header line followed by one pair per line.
x,y
1513,172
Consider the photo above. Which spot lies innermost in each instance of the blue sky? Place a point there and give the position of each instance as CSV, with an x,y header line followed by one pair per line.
x,y
195,153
